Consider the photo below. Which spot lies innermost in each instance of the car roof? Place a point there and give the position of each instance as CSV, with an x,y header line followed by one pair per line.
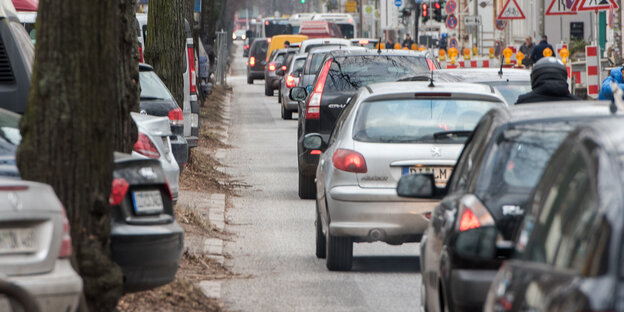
x,y
608,130
557,110
402,88
359,51
487,74
324,49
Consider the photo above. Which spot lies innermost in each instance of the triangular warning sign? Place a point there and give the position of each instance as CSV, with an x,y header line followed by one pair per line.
x,y
562,7
596,5
512,11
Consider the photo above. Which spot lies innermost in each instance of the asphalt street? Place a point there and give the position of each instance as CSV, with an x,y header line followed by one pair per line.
x,y
272,244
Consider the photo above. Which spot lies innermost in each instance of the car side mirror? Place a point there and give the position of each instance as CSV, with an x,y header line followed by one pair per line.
x,y
312,141
297,94
418,186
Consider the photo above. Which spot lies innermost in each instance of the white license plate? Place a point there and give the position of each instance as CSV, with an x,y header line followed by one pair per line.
x,y
441,174
18,241
147,202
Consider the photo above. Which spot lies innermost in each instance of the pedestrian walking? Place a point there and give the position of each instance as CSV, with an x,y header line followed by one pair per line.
x,y
527,48
407,43
605,89
549,82
538,50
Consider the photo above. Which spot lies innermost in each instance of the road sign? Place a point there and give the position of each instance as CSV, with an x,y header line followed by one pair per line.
x,y
562,7
596,5
472,20
451,21
398,3
513,11
452,43
351,6
450,7
500,24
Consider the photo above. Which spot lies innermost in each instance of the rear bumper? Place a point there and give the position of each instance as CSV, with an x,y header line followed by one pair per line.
x,y
147,254
255,74
179,148
192,140
469,288
358,212
58,290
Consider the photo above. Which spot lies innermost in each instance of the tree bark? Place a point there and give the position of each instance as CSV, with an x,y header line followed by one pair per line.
x,y
81,93
165,45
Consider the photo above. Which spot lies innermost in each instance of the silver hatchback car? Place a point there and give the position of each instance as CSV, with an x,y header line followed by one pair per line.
x,y
388,130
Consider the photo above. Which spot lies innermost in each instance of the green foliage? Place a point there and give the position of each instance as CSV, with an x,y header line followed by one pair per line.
x,y
577,46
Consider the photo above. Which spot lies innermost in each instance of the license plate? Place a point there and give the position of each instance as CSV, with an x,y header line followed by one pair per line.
x,y
441,174
17,241
147,202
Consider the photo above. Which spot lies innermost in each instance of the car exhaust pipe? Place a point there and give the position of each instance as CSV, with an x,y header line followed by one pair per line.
x,y
376,234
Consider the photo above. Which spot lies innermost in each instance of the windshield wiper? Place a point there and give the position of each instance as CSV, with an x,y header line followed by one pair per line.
x,y
149,98
451,134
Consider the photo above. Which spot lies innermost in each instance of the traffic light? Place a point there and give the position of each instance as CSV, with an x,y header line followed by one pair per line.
x,y
425,13
437,11
302,1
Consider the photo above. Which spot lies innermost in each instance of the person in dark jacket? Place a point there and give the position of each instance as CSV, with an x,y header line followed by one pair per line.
x,y
407,43
527,48
538,51
605,89
548,83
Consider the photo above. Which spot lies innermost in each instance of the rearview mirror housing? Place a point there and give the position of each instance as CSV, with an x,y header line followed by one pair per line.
x,y
298,94
312,141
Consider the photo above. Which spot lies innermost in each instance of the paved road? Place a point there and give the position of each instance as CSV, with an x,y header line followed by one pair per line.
x,y
273,230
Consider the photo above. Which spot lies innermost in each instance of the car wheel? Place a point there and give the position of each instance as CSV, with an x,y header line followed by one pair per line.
x,y
286,115
307,187
279,95
339,253
320,238
249,80
268,91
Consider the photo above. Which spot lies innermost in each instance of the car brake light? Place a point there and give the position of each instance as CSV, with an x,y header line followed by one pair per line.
x,y
191,59
350,161
176,117
66,243
313,109
146,147
290,81
363,42
246,47
284,67
272,66
118,191
169,193
140,54
252,61
13,188
473,214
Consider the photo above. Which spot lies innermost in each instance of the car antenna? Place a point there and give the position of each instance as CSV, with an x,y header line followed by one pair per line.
x,y
431,85
618,102
379,46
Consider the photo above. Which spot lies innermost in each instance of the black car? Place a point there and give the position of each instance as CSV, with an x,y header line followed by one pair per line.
x,y
341,74
474,224
257,59
314,60
277,60
569,250
146,240
17,54
157,101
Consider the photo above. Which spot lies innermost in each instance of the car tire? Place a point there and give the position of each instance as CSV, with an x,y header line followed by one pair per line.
x,y
321,242
339,253
279,95
249,80
307,187
268,91
286,114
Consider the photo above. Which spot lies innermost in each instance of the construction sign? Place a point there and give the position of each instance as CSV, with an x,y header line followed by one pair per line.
x,y
562,7
596,5
512,11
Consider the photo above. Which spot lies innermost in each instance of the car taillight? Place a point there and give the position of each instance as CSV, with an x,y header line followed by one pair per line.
x,y
169,193
363,42
252,61
272,66
118,191
290,82
146,147
140,54
176,117
349,160
191,59
66,244
284,67
246,47
473,214
313,109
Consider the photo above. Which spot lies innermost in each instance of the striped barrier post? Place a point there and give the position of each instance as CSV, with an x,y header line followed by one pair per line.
x,y
592,68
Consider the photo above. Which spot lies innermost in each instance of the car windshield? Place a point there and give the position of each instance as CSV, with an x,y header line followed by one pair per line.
x,y
346,30
511,90
152,88
418,120
351,73
521,153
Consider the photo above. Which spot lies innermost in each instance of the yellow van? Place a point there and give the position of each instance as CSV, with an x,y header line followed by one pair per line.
x,y
277,42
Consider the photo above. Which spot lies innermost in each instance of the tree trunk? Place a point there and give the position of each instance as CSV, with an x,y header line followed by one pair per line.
x,y
77,114
165,45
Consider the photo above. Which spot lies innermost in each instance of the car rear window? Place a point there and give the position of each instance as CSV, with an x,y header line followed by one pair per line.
x,y
259,48
352,72
279,58
521,153
152,88
418,120
511,90
315,62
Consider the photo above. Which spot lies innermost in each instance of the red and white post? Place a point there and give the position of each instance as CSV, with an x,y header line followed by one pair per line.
x,y
592,68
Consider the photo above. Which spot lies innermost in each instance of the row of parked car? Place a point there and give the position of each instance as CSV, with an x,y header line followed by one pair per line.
x,y
146,240
516,208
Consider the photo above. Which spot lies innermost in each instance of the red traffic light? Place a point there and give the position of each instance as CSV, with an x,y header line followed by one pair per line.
x,y
424,9
436,5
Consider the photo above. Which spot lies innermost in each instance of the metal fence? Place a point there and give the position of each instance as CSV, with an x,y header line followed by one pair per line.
x,y
222,49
